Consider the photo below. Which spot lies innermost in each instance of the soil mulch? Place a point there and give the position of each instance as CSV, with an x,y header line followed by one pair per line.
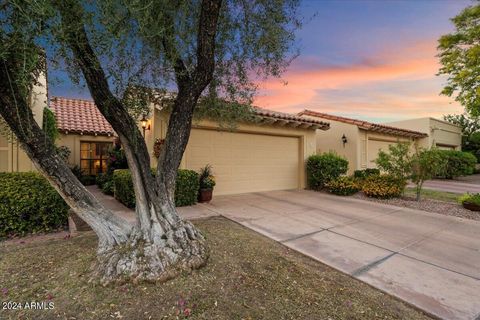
x,y
248,276
430,205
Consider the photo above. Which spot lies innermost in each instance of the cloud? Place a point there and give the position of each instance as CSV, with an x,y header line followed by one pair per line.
x,y
397,82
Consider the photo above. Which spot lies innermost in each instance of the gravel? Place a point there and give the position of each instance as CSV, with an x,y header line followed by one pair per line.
x,y
434,206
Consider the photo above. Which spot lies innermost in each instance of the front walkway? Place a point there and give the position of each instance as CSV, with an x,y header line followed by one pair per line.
x,y
431,261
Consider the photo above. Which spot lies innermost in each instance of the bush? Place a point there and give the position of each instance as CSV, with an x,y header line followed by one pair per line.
x,y
323,168
343,186
186,191
458,164
28,204
470,198
362,174
383,186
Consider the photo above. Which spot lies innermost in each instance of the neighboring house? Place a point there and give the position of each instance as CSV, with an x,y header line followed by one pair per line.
x,y
85,132
441,134
357,140
262,156
12,156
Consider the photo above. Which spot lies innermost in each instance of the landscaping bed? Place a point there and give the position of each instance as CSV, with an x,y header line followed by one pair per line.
x,y
247,277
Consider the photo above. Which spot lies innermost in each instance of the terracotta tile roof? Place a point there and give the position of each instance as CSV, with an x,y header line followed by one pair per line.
x,y
292,118
365,124
79,116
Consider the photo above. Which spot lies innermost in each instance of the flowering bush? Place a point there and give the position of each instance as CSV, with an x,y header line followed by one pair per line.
x,y
343,186
383,186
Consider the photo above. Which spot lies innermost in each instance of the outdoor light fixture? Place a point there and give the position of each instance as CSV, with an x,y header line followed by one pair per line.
x,y
344,140
145,125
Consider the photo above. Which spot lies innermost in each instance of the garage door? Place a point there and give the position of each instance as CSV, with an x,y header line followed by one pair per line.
x,y
374,147
244,162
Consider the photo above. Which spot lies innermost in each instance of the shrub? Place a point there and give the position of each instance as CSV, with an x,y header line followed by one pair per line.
x,y
362,174
206,178
383,186
398,161
427,163
470,198
343,186
186,191
459,163
324,168
28,204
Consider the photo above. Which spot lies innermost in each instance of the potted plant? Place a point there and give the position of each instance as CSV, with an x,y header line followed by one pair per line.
x,y
470,201
207,182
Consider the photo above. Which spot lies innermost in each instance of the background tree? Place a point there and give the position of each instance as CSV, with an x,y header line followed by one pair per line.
x,y
112,46
470,131
459,54
397,161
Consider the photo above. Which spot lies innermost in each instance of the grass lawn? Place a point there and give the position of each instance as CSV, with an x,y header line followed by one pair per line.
x,y
433,194
248,277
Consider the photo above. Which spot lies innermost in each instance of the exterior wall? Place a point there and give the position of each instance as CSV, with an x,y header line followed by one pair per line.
x,y
331,140
440,133
12,157
307,137
72,141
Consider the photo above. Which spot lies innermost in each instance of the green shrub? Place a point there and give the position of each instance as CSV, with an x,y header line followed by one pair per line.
x,y
383,186
459,163
324,168
186,191
28,204
343,186
470,198
362,174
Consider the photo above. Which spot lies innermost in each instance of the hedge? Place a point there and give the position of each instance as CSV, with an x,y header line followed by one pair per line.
x,y
343,186
365,173
29,204
459,163
323,168
186,190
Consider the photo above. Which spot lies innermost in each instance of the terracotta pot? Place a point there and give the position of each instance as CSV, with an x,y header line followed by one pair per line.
x,y
205,195
471,206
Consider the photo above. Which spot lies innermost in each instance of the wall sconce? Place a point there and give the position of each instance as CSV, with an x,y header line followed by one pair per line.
x,y
145,125
344,140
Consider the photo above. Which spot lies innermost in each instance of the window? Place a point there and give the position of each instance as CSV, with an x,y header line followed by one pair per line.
x,y
93,157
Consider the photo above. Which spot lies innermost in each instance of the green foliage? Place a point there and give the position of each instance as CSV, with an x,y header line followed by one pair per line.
x,y
459,57
426,165
470,198
383,186
470,132
116,160
398,161
343,186
206,178
186,190
323,168
362,174
50,125
458,163
28,204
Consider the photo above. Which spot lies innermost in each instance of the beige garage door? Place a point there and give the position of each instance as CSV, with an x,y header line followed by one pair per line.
x,y
244,162
374,147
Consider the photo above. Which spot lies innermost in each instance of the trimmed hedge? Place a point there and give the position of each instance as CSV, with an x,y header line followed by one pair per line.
x,y
29,204
323,168
383,186
186,190
459,163
343,186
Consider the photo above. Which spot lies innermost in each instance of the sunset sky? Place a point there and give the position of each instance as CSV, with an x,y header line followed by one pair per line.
x,y
372,60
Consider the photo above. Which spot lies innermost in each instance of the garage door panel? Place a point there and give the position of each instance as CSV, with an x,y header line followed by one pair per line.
x,y
245,162
374,147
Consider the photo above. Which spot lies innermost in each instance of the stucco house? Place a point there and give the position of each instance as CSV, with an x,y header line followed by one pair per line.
x,y
12,156
360,141
441,134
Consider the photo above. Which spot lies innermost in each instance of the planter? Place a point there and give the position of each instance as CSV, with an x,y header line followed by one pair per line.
x,y
471,206
205,195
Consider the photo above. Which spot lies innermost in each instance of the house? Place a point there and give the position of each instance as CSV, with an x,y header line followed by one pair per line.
x,y
85,132
441,134
12,156
359,141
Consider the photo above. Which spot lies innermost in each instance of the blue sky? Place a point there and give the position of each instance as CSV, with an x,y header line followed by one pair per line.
x,y
373,60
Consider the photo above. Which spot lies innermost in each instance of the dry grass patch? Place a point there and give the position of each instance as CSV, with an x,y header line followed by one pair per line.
x,y
248,277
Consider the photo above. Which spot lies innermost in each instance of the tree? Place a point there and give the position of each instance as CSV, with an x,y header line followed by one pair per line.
x,y
470,131
426,164
398,161
459,54
208,49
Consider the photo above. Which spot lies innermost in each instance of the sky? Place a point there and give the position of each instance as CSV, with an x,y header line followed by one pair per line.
x,y
370,60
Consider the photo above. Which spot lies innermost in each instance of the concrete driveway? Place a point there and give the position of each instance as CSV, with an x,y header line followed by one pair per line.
x,y
429,260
